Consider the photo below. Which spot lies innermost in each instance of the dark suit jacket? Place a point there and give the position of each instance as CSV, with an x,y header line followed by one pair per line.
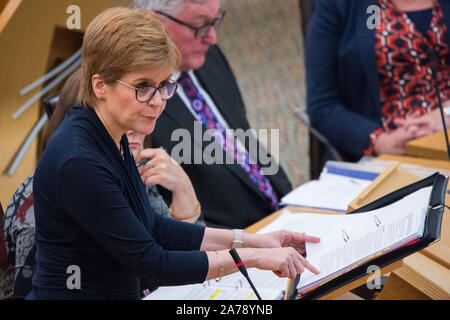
x,y
227,195
342,77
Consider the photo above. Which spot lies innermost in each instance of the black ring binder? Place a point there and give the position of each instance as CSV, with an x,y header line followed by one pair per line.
x,y
432,232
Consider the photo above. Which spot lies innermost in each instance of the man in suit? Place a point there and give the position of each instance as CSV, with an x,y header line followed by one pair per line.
x,y
232,195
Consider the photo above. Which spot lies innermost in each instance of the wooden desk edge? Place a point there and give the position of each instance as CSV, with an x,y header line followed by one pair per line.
x,y
361,281
429,147
412,274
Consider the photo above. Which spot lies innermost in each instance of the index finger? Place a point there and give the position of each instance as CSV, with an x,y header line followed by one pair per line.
x,y
309,266
299,239
308,238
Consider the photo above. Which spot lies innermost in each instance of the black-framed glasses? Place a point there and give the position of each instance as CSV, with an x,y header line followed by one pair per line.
x,y
200,32
145,94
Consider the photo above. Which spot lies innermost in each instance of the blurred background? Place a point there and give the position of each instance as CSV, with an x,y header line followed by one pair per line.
x,y
262,40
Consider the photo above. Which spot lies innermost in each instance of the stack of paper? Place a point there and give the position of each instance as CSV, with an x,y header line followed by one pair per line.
x,y
335,189
232,287
349,240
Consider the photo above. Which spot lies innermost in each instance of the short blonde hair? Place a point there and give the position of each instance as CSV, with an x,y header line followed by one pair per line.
x,y
123,40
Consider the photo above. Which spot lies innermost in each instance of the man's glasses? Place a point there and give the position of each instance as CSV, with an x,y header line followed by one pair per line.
x,y
146,94
200,32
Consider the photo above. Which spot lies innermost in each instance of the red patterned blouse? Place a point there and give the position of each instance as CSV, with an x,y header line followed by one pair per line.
x,y
403,66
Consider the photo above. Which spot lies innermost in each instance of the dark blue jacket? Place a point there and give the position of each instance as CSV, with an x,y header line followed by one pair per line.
x,y
92,212
343,88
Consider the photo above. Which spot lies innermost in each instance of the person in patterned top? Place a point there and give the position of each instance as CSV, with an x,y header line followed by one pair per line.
x,y
17,247
370,89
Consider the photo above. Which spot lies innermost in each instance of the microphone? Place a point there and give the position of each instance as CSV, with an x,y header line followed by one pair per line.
x,y
240,265
432,59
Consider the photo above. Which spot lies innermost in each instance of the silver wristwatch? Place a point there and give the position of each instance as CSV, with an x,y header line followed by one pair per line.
x,y
238,241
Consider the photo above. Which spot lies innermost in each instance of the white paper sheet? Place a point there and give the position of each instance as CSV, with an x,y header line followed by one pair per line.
x,y
366,233
333,192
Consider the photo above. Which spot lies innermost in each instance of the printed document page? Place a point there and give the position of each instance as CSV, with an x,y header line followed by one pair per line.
x,y
333,192
357,237
231,287
206,292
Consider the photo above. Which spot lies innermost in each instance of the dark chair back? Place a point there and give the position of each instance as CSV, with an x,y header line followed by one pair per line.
x,y
50,104
317,143
316,148
306,10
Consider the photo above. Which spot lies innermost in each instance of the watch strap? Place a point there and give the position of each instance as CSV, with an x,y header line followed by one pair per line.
x,y
238,240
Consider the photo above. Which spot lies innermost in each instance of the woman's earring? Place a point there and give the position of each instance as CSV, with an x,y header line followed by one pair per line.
x,y
102,98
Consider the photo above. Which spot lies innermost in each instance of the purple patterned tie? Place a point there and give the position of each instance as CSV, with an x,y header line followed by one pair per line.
x,y
209,120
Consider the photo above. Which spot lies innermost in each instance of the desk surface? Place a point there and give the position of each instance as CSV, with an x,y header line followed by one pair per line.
x,y
430,147
430,163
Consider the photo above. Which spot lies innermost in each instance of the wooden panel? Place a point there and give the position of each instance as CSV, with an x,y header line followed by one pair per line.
x,y
361,281
348,296
398,289
3,4
26,43
430,147
427,276
7,10
439,251
393,178
63,45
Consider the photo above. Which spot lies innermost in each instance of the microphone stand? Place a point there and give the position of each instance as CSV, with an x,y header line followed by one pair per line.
x,y
240,265
432,57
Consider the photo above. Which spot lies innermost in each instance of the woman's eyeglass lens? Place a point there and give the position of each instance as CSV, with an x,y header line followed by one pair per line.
x,y
145,94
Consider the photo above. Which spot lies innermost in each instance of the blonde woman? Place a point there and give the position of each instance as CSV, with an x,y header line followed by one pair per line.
x,y
96,235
